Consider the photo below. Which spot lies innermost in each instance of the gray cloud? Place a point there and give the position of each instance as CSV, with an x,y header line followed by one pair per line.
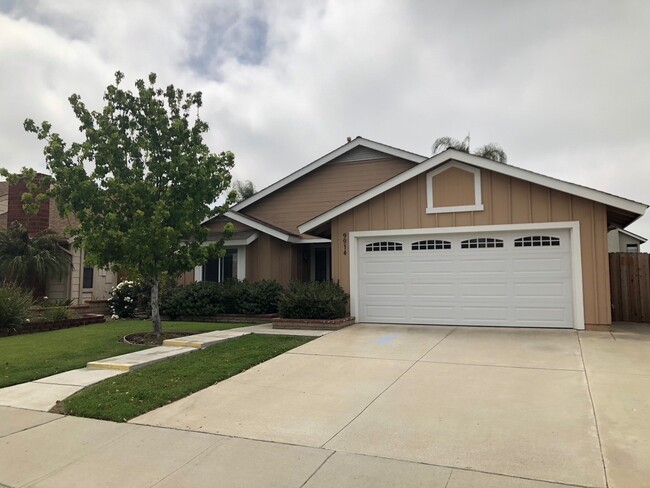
x,y
562,86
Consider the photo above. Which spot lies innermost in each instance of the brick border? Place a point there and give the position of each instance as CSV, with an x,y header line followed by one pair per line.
x,y
312,324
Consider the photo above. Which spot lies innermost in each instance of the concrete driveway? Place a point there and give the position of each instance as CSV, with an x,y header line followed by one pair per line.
x,y
376,406
549,405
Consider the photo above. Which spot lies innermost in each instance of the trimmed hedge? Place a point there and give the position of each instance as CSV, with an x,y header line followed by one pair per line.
x,y
204,299
318,300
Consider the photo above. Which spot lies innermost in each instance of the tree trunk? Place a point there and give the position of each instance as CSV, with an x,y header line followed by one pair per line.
x,y
155,308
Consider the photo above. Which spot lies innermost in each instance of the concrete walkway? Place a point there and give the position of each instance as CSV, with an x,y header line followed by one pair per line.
x,y
376,406
42,394
44,450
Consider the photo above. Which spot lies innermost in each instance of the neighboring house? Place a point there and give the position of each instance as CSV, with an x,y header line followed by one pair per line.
x,y
621,240
81,283
452,239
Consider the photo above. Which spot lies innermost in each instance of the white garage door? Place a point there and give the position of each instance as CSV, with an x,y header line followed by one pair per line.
x,y
520,279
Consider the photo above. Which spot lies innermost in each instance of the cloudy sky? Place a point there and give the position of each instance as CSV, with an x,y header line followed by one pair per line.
x,y
563,86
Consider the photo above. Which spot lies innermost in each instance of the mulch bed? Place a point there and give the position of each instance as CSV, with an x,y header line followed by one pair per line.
x,y
151,339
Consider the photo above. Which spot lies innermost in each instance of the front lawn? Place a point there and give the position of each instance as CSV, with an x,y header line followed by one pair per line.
x,y
32,356
126,396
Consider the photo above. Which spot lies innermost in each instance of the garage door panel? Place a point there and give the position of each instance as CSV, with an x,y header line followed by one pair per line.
x,y
506,286
433,290
488,289
385,290
383,313
556,290
545,265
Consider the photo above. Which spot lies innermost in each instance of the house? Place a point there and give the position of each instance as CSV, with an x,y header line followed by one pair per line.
x,y
452,239
621,240
82,282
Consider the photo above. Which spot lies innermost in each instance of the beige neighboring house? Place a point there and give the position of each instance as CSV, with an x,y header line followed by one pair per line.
x,y
452,239
621,240
81,283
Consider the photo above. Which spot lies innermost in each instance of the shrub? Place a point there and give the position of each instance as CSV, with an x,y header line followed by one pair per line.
x,y
126,297
15,305
322,301
57,309
205,299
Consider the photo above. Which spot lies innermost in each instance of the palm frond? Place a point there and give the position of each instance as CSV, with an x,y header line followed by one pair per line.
x,y
492,151
443,143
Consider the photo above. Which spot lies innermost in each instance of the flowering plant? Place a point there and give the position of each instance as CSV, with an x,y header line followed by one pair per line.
x,y
124,299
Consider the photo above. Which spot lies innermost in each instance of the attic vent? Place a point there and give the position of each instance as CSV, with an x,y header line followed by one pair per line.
x,y
360,153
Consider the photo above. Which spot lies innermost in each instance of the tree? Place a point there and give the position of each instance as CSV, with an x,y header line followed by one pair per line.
x,y
140,183
490,151
26,260
243,190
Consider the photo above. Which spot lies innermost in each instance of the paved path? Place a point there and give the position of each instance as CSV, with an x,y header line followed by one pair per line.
x,y
42,394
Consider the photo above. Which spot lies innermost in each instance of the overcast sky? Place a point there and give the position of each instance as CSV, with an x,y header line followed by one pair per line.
x,y
563,86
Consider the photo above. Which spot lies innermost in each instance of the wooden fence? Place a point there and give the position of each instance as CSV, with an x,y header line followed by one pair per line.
x,y
630,286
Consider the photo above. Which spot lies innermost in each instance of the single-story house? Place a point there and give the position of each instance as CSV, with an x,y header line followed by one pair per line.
x,y
82,282
622,240
451,239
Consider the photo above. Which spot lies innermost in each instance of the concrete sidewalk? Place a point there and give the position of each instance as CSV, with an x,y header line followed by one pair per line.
x,y
43,394
43,450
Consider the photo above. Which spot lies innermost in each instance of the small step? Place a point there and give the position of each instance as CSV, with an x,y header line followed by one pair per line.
x,y
134,360
201,341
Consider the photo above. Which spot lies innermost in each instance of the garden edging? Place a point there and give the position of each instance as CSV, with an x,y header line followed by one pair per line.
x,y
312,324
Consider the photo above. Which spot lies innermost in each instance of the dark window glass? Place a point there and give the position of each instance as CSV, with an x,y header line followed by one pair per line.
x,y
384,246
430,244
537,241
221,269
481,243
88,277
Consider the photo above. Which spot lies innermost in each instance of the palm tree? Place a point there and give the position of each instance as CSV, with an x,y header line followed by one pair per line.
x,y
27,260
490,151
243,189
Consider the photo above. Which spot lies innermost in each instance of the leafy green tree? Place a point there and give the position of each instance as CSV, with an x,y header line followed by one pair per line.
x,y
243,190
140,183
27,260
490,151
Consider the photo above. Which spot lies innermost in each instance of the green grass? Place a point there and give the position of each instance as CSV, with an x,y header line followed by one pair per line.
x,y
32,356
124,397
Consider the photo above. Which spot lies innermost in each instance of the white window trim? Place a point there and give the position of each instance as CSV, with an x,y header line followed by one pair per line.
x,y
241,264
574,236
478,198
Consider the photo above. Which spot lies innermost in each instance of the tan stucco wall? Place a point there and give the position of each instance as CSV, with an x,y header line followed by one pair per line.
x,y
506,200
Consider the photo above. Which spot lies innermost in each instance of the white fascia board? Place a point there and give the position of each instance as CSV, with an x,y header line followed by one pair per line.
x,y
241,242
315,240
443,157
242,219
359,141
632,235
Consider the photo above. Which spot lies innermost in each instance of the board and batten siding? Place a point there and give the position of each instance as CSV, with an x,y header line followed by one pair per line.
x,y
268,258
323,189
506,200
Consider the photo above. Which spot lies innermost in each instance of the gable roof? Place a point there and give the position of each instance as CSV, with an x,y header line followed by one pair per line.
x,y
630,206
271,229
355,143
632,235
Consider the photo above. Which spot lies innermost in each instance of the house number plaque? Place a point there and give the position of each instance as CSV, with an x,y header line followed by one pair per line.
x,y
345,244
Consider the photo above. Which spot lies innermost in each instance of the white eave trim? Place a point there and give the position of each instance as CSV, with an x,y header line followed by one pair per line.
x,y
358,141
632,235
241,242
452,154
242,219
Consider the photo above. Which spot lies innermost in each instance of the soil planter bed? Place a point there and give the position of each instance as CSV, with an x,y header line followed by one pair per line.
x,y
45,326
232,318
312,324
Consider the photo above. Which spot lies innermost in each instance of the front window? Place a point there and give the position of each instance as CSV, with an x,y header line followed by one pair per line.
x,y
88,277
221,269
